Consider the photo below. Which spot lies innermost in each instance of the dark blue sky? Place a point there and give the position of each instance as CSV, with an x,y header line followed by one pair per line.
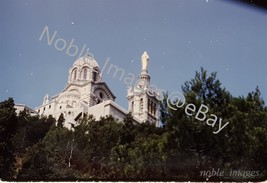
x,y
180,36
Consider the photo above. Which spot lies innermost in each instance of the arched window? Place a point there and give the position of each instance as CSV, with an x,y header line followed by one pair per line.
x,y
149,106
154,109
101,95
85,71
94,76
141,104
74,74
132,106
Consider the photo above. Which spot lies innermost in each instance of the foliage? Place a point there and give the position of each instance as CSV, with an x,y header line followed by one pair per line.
x,y
60,121
8,126
107,149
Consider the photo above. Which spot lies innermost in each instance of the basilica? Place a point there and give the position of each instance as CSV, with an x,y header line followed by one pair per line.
x,y
86,94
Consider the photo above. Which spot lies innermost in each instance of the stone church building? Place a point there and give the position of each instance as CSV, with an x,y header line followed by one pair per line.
x,y
86,94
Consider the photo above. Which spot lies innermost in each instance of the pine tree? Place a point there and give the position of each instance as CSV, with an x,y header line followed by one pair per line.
x,y
8,126
60,121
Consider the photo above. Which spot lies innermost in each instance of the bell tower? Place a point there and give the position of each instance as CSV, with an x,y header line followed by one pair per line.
x,y
141,103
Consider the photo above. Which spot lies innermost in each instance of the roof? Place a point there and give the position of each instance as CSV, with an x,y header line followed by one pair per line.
x,y
86,60
106,87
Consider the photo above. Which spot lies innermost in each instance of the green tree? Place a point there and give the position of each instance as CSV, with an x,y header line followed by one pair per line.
x,y
8,126
95,139
36,164
31,130
60,121
108,149
48,159
239,147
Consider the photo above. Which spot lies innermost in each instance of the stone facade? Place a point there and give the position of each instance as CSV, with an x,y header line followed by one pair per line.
x,y
21,107
87,94
142,105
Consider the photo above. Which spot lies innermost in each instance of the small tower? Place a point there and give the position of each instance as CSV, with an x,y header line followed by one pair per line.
x,y
142,105
84,75
84,70
46,99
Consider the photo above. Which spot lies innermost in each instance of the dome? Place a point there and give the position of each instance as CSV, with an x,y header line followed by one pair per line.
x,y
86,60
83,70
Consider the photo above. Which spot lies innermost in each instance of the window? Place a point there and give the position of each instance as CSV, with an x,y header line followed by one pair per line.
x,y
101,95
85,70
94,76
132,106
49,106
149,106
141,104
154,109
74,74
